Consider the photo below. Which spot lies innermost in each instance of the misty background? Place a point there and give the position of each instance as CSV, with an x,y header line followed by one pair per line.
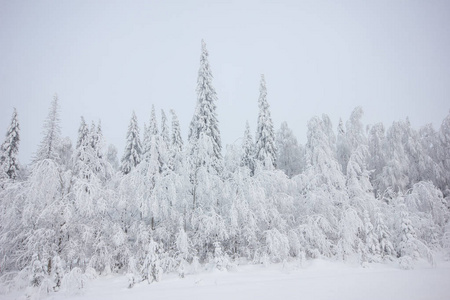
x,y
105,59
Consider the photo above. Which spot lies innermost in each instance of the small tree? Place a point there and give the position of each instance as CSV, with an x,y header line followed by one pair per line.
x,y
48,149
10,148
133,149
248,150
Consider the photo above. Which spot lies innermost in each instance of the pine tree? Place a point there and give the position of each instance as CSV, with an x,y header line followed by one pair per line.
x,y
266,151
164,142
133,149
10,149
176,145
83,131
164,128
48,148
248,150
204,121
177,141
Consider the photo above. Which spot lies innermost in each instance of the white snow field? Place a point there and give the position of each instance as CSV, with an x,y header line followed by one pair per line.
x,y
316,279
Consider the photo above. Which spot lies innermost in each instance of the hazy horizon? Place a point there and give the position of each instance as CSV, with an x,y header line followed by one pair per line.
x,y
105,59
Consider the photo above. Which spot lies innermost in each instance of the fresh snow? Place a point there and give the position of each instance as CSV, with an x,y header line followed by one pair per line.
x,y
316,279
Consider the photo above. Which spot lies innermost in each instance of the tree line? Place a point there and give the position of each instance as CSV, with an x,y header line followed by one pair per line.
x,y
369,194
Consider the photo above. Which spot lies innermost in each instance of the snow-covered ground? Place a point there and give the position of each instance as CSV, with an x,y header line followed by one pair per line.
x,y
317,279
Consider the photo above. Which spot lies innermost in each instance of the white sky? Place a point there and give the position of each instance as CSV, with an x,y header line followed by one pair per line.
x,y
107,58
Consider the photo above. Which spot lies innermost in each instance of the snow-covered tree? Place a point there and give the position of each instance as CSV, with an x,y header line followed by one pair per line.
x,y
111,156
133,149
342,147
377,157
444,154
248,148
265,146
48,148
177,141
9,151
204,121
289,152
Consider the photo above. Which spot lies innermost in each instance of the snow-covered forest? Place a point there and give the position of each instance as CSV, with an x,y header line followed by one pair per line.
x,y
372,193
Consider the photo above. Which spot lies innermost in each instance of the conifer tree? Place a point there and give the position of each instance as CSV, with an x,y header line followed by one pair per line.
x,y
248,150
83,131
177,141
48,149
164,128
10,149
204,121
133,149
176,144
265,151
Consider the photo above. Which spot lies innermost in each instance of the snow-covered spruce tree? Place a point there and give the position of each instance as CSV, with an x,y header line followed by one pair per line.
x,y
205,165
10,149
151,269
204,122
372,243
133,149
377,157
408,249
177,141
384,236
164,128
176,146
164,142
48,149
289,153
265,147
83,131
248,150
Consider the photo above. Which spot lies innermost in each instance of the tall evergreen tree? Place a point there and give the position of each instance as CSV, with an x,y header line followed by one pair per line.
x,y
177,141
266,151
248,150
10,149
83,131
164,128
133,149
205,120
48,149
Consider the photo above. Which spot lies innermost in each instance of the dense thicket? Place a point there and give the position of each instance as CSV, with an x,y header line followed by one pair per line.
x,y
368,195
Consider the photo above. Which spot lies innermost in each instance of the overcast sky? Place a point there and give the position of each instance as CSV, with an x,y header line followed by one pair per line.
x,y
107,58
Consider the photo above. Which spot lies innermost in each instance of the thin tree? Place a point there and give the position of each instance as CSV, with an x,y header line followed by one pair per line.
x,y
10,149
133,149
266,151
48,149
